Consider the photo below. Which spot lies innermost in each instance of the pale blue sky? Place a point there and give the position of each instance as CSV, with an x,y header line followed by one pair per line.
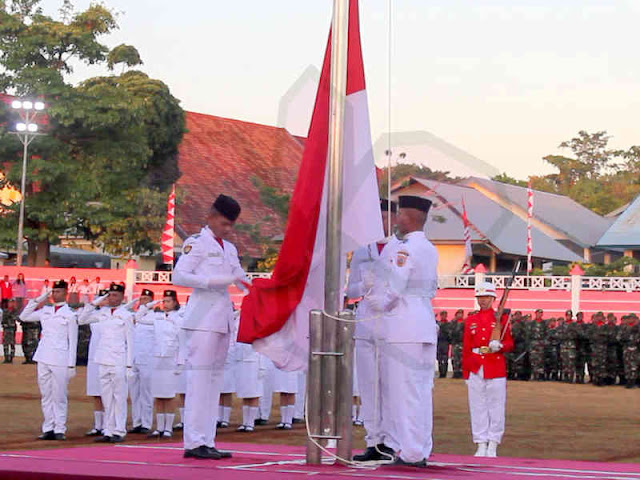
x,y
506,81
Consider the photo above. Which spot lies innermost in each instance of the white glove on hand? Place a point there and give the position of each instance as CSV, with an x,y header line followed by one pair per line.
x,y
495,346
376,302
97,301
130,373
43,296
71,372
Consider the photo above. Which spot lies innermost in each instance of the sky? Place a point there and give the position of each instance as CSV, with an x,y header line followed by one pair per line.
x,y
505,81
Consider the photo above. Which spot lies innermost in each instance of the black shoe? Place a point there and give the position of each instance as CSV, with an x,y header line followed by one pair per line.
x,y
137,429
179,426
59,436
103,439
93,433
260,421
398,462
297,420
144,430
50,435
6,360
202,452
629,385
117,439
219,452
25,362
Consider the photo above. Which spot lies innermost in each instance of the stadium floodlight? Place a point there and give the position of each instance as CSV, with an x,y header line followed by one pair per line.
x,y
21,127
16,104
27,105
32,127
39,105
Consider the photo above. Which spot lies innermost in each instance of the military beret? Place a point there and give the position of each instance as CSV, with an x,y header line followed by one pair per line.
x,y
60,284
411,201
116,287
386,205
147,293
227,207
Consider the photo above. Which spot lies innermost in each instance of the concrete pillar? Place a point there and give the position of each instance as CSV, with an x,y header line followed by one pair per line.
x,y
493,262
607,258
576,286
130,278
586,253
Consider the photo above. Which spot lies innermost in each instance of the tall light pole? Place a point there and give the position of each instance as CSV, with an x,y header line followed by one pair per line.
x,y
26,131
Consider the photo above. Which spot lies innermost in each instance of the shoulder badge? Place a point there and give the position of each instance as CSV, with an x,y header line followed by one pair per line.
x,y
187,248
401,258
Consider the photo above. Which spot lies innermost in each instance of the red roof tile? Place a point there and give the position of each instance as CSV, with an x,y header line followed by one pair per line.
x,y
220,155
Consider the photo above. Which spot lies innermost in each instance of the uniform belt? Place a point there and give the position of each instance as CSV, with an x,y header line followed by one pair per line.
x,y
481,350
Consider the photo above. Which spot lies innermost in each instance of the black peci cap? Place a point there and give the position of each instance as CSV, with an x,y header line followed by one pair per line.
x,y
171,294
419,203
116,287
227,207
385,204
60,284
147,293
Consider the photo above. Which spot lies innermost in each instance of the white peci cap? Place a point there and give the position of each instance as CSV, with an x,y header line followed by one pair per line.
x,y
486,289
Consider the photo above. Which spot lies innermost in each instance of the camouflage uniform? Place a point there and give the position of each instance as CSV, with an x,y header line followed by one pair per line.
x,y
583,350
552,352
629,337
537,335
568,336
612,366
9,326
84,335
443,347
30,339
519,357
455,337
599,342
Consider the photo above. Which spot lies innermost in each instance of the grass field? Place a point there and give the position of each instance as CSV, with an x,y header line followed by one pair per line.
x,y
544,420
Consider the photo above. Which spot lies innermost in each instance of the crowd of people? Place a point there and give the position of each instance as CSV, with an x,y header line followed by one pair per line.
x,y
603,351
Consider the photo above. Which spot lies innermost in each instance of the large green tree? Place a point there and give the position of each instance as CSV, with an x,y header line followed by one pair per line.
x,y
103,169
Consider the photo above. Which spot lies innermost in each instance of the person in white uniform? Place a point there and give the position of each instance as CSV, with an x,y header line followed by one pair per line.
x,y
209,264
408,353
93,374
114,356
286,384
249,387
366,278
140,383
55,356
229,377
266,400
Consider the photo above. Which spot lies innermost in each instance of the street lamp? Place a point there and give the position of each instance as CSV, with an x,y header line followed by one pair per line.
x,y
26,131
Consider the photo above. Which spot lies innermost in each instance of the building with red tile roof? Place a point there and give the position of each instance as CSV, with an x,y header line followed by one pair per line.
x,y
221,155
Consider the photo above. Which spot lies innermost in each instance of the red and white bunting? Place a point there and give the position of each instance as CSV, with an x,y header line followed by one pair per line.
x,y
168,232
529,216
468,252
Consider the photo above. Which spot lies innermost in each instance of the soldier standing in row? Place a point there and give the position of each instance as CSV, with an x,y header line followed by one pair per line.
x,y
443,344
538,333
629,338
599,343
568,336
552,351
583,347
456,332
519,358
9,326
30,338
612,366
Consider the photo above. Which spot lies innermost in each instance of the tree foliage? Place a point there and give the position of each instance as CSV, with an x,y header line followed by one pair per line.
x,y
402,171
110,151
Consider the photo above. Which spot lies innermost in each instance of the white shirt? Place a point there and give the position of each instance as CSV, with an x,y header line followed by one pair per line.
x,y
115,342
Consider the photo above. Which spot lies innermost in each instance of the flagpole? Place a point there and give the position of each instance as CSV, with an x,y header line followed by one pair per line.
x,y
333,258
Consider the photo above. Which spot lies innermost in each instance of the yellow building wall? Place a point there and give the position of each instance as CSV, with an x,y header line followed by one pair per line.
x,y
450,259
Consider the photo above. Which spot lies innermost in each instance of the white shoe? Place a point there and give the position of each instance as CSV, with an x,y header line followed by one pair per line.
x,y
482,450
492,450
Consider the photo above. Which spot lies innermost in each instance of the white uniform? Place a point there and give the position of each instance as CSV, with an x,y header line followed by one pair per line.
x,y
266,400
114,356
56,358
230,375
284,381
408,353
209,269
93,375
140,383
249,372
367,277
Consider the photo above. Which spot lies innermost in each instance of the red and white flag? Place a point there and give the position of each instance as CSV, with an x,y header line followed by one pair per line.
x,y
275,313
168,232
529,216
468,252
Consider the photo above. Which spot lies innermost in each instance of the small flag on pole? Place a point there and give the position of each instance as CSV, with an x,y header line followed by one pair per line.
x,y
529,216
468,252
168,232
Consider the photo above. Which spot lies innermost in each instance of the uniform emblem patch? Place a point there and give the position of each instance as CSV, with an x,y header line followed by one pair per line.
x,y
186,249
401,258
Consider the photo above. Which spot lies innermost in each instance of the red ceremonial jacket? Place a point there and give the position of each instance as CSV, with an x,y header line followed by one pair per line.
x,y
477,333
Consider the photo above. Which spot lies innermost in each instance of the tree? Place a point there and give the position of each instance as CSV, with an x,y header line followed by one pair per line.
x,y
126,55
110,153
504,178
401,171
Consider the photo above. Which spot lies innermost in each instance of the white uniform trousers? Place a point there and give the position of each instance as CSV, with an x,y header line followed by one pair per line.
x,y
487,400
141,398
53,381
406,377
206,353
113,388
301,396
266,400
370,388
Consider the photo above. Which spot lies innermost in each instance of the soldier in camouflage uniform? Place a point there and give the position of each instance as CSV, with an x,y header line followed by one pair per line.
x,y
456,332
537,335
516,360
9,326
583,347
599,341
612,367
568,336
443,344
629,338
84,336
30,339
552,350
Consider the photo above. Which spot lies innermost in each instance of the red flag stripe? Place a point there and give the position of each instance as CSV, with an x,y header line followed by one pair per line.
x,y
168,233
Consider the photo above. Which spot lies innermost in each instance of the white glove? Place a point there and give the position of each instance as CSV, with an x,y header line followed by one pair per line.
x,y
130,305
179,369
130,372
368,279
71,372
43,296
221,281
376,302
495,346
96,301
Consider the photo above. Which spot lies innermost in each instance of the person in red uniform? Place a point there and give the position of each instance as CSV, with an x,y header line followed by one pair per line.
x,y
484,369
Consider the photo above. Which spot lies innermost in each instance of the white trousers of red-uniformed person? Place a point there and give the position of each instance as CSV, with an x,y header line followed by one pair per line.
x,y
206,354
114,392
53,381
370,389
141,398
487,400
406,378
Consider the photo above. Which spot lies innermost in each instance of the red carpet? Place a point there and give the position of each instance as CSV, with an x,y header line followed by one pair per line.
x,y
266,462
